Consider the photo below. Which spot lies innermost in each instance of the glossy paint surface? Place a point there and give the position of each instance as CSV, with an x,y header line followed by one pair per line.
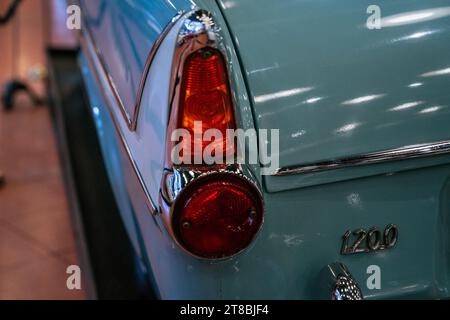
x,y
305,216
333,87
124,33
110,146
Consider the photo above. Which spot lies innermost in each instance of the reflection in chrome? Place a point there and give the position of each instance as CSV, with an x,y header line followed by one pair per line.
x,y
412,17
407,105
415,85
348,127
346,289
432,109
336,283
435,73
403,153
173,6
363,99
282,94
96,111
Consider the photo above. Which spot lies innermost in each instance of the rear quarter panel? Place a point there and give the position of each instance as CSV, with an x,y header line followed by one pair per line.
x,y
304,222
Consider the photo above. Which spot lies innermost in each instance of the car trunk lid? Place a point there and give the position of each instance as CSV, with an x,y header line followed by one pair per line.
x,y
335,88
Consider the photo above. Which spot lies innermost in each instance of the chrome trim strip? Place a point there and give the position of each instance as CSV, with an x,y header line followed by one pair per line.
x,y
403,153
131,119
92,59
148,64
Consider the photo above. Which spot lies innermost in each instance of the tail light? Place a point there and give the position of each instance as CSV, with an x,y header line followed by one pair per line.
x,y
212,211
205,98
218,216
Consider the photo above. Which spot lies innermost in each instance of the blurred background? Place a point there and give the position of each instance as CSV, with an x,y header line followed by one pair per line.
x,y
37,234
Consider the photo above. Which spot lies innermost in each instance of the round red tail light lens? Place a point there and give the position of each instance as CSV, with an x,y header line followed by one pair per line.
x,y
218,216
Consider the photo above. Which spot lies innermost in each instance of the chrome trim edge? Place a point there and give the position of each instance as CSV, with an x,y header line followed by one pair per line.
x,y
148,65
403,153
92,58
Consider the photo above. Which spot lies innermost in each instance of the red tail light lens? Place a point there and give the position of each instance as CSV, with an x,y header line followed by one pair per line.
x,y
218,216
205,97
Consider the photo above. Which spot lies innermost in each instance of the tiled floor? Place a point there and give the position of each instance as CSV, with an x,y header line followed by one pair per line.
x,y
36,238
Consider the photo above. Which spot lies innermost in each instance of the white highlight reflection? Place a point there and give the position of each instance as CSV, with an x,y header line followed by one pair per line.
x,y
416,35
298,134
415,17
435,73
282,94
229,4
431,109
313,100
348,127
363,99
415,85
173,6
407,105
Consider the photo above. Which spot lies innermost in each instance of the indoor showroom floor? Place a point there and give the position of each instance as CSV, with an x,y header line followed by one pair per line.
x,y
36,238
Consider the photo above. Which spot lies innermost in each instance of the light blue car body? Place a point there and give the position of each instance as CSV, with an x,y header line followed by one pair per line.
x,y
335,89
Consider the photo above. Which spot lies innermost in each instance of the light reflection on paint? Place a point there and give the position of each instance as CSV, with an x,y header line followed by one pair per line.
x,y
435,73
313,100
407,105
416,35
173,6
415,85
412,17
431,109
282,94
275,66
348,128
298,134
363,99
229,4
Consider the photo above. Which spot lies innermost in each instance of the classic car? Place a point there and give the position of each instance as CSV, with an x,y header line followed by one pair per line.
x,y
352,198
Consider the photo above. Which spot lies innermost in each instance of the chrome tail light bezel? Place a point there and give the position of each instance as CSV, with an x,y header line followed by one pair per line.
x,y
198,31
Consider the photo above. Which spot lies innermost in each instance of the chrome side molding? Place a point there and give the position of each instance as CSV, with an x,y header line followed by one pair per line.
x,y
338,284
102,80
147,67
403,153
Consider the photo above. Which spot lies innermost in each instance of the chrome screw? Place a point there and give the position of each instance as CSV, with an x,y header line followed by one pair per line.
x,y
186,225
207,54
253,214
